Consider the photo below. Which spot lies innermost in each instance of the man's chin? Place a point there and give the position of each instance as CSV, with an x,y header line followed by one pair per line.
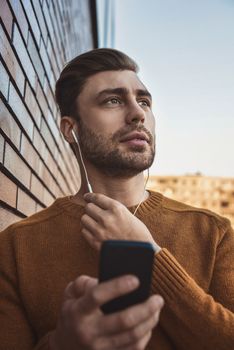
x,y
135,164
132,147
121,173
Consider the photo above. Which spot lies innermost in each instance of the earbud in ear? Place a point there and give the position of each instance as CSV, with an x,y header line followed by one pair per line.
x,y
74,136
82,162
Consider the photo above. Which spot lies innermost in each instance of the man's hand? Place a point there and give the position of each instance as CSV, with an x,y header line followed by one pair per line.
x,y
83,326
106,218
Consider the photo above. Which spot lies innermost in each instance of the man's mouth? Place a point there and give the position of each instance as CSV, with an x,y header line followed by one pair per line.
x,y
135,138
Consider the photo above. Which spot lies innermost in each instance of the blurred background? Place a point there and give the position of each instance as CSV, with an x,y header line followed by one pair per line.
x,y
185,50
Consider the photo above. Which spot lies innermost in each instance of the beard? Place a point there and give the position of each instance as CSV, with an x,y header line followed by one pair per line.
x,y
102,151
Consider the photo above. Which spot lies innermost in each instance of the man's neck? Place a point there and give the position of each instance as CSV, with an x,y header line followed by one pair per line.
x,y
128,191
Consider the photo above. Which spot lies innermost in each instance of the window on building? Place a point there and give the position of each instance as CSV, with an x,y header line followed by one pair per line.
x,y
224,204
162,181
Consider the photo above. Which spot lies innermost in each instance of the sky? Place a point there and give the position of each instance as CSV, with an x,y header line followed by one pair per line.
x,y
185,50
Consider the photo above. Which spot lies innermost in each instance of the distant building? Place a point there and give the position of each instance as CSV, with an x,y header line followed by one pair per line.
x,y
106,23
213,193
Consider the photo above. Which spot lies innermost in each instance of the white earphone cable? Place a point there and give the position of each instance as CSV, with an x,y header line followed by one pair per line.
x,y
147,178
82,161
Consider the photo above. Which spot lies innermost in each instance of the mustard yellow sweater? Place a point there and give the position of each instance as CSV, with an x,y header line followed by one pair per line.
x,y
194,273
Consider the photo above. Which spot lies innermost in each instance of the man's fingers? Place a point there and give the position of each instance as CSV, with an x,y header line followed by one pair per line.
x,y
131,336
99,199
94,211
91,239
133,316
89,223
140,344
109,290
79,287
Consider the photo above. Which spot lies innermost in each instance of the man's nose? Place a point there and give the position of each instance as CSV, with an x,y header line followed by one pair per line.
x,y
135,114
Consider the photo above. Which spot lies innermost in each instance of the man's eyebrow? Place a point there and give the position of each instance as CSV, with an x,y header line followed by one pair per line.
x,y
144,92
123,91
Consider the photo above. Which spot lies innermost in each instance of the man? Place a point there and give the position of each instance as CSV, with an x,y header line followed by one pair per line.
x,y
55,252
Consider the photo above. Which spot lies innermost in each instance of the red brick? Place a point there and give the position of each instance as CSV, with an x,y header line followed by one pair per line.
x,y
75,186
55,189
57,118
29,153
65,165
2,142
32,104
50,97
11,61
22,114
53,61
41,99
74,167
48,137
44,174
51,163
4,87
39,15
39,207
57,28
8,190
37,188
47,65
25,204
9,125
24,57
39,143
7,218
32,20
16,166
74,162
48,198
20,17
59,17
48,176
63,149
6,16
53,127
36,60
69,171
63,185
48,21
61,164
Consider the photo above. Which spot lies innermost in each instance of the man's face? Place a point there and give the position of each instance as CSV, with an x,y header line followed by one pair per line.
x,y
116,125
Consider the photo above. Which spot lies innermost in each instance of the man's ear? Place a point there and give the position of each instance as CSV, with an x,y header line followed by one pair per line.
x,y
66,126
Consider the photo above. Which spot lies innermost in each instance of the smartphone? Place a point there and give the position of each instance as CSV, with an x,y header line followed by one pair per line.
x,y
118,258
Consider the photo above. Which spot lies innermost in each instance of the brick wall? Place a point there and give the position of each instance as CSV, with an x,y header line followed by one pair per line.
x,y
37,37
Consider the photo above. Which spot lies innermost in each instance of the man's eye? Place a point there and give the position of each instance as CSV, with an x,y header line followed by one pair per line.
x,y
113,101
144,103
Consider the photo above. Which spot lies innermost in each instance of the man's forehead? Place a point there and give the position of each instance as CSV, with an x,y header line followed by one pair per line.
x,y
112,80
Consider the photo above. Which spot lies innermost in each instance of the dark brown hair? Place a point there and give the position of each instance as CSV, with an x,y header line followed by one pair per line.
x,y
77,71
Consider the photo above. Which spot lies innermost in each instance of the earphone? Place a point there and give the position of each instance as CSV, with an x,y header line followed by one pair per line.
x,y
82,161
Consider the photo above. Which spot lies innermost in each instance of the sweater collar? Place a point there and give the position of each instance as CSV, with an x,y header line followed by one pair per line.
x,y
146,208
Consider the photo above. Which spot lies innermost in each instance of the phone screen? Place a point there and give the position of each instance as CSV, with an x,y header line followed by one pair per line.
x,y
120,258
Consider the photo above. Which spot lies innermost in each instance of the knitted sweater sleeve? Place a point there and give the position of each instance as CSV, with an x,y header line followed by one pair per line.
x,y
16,332
193,318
